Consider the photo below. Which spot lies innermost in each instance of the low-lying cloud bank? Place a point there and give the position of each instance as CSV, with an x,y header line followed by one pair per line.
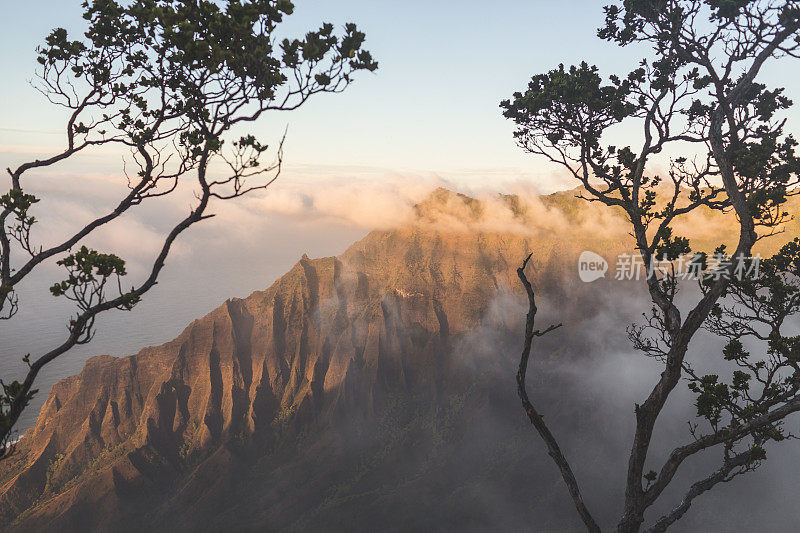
x,y
367,204
398,200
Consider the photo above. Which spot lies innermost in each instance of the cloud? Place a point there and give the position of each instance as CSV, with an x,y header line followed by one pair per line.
x,y
68,203
397,200
364,203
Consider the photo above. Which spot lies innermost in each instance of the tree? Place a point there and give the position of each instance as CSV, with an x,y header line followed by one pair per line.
x,y
169,80
696,94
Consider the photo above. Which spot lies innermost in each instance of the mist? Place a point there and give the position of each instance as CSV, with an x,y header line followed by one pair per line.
x,y
585,379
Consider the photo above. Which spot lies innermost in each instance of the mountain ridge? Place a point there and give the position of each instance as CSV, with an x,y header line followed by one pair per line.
x,y
333,341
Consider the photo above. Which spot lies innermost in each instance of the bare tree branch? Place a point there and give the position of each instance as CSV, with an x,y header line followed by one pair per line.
x,y
732,467
536,419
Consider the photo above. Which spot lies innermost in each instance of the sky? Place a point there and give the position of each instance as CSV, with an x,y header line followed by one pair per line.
x,y
431,108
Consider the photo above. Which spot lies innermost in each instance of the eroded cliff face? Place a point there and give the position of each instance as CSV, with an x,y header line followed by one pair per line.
x,y
130,441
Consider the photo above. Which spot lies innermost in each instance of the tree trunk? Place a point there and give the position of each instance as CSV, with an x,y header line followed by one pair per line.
x,y
631,522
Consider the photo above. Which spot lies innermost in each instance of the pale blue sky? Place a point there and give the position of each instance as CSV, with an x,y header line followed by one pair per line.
x,y
432,107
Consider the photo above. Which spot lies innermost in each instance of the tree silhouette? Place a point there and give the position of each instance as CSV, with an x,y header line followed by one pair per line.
x,y
696,94
168,80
